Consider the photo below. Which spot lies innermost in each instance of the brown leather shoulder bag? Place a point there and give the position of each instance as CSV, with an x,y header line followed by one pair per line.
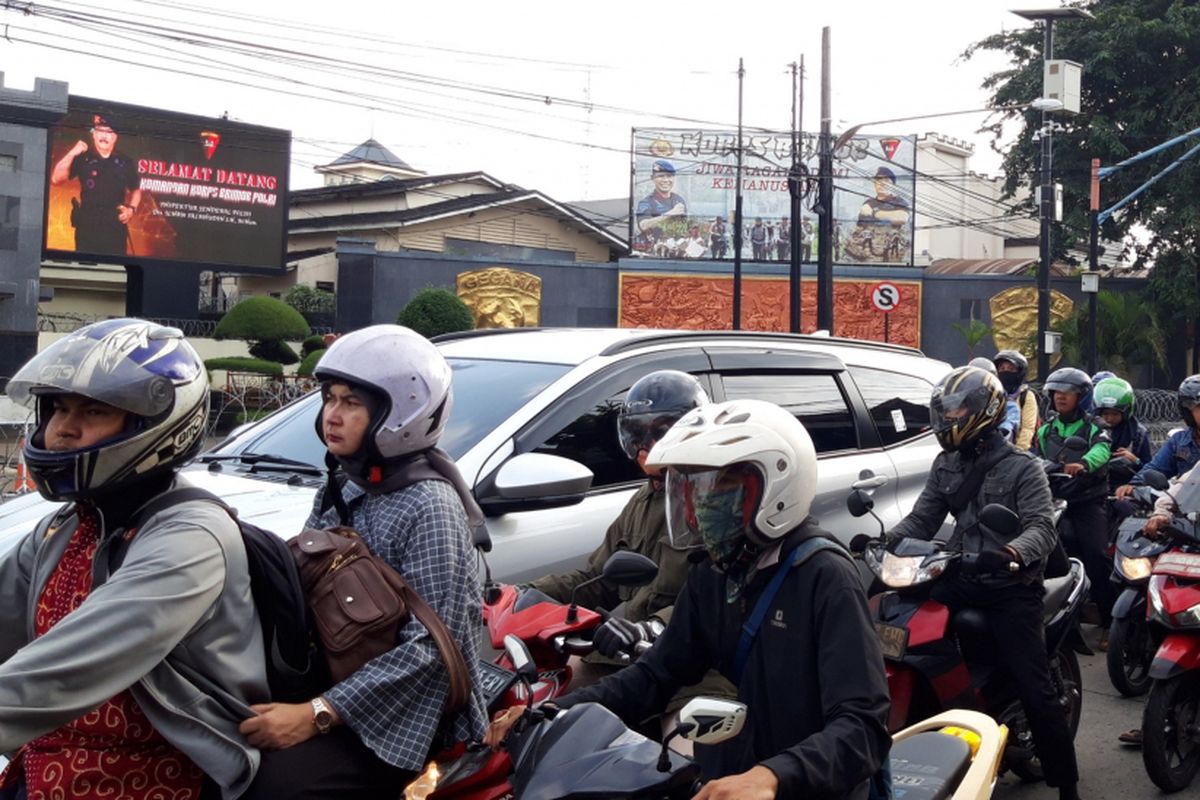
x,y
359,604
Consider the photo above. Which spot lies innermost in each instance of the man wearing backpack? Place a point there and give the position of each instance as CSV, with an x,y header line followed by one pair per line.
x,y
124,676
777,607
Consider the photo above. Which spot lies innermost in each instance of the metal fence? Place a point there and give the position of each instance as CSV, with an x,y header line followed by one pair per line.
x,y
66,322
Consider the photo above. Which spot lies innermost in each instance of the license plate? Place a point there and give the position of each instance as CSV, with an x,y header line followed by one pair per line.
x,y
893,640
1181,565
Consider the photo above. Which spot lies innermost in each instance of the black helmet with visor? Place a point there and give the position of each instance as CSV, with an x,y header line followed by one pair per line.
x,y
966,404
653,405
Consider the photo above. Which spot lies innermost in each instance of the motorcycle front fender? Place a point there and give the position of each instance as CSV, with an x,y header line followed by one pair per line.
x,y
1131,604
1178,653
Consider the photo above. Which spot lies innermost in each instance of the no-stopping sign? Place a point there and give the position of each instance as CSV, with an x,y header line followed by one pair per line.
x,y
885,297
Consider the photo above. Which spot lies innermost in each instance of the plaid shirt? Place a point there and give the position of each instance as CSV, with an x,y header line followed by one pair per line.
x,y
394,702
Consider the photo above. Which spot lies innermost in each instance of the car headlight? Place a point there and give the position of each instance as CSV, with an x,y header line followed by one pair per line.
x,y
1134,569
899,572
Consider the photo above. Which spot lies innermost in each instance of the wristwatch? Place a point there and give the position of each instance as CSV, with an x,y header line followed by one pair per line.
x,y
322,716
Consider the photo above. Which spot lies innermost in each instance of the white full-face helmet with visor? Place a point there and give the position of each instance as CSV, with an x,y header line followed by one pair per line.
x,y
148,371
740,475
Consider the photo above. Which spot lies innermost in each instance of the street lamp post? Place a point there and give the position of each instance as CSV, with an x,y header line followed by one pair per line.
x,y
1046,16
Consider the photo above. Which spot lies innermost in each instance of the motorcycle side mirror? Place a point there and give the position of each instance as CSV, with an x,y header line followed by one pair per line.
x,y
519,657
627,568
705,720
1155,479
623,568
1000,519
1075,443
859,503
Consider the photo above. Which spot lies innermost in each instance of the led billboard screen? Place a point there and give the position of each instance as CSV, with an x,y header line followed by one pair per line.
x,y
684,184
136,185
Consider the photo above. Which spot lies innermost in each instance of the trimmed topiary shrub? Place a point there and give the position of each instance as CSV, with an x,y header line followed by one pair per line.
x,y
305,370
433,311
244,364
312,344
258,319
274,350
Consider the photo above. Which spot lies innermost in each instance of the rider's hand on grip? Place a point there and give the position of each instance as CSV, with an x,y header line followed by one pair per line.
x,y
996,561
618,636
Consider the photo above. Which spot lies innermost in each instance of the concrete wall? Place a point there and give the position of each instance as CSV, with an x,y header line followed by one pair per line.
x,y
374,286
22,196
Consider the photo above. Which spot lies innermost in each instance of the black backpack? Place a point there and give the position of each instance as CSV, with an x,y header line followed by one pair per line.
x,y
296,669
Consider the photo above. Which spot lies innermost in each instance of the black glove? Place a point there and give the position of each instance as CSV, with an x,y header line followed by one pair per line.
x,y
998,561
620,636
858,545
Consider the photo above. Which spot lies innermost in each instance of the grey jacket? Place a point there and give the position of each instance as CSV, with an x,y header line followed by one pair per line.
x,y
1016,481
175,624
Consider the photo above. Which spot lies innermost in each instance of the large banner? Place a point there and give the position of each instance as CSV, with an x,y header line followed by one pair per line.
x,y
684,183
136,185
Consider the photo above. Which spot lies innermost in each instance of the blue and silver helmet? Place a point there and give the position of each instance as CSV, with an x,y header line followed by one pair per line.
x,y
147,370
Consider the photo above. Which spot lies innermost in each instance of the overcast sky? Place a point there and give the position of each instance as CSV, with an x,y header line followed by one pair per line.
x,y
638,63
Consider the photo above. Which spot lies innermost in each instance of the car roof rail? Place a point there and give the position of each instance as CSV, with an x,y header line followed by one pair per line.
x,y
475,332
690,336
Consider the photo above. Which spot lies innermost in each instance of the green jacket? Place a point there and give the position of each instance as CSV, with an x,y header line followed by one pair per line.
x,y
642,528
1049,443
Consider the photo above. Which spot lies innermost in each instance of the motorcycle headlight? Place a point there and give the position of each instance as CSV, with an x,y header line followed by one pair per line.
x,y
900,572
1134,569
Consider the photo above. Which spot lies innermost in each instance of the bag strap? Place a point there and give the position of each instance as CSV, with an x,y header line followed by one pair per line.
x,y
456,666
798,555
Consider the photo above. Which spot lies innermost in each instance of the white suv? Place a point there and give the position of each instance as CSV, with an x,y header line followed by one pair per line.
x,y
556,392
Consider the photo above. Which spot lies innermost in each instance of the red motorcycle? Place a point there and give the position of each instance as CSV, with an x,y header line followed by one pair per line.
x,y
936,661
1171,720
551,633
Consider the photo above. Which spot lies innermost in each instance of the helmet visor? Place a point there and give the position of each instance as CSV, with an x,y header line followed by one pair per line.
x,y
712,508
642,431
953,408
130,370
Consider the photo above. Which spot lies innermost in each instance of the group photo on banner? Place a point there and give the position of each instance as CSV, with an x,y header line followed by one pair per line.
x,y
685,189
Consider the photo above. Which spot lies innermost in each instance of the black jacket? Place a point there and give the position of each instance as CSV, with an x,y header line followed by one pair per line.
x,y
814,680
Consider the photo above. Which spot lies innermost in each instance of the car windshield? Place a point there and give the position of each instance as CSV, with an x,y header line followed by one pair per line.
x,y
486,392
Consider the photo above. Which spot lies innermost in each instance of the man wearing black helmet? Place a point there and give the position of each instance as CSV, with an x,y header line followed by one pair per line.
x,y
1086,534
979,467
651,407
129,651
1012,368
1181,451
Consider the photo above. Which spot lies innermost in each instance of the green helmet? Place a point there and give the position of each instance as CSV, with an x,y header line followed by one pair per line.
x,y
1114,393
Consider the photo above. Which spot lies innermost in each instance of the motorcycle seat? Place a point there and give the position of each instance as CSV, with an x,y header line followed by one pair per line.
x,y
1057,590
929,766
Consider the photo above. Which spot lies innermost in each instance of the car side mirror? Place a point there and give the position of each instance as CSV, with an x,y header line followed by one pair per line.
x,y
1000,519
532,481
627,568
859,503
1155,480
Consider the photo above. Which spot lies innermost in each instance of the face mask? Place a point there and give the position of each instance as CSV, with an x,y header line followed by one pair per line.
x,y
1011,381
719,516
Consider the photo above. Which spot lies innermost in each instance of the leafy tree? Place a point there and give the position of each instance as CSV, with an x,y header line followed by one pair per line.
x,y
973,333
1127,337
310,300
1141,86
264,323
311,344
433,311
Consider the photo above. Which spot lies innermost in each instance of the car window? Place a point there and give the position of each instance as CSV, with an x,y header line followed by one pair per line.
x,y
486,392
899,404
591,439
815,399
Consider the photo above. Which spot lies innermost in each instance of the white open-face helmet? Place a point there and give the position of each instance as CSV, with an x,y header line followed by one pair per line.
x,y
408,376
146,370
740,475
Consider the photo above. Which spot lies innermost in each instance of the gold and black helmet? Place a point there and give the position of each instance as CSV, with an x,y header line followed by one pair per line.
x,y
966,404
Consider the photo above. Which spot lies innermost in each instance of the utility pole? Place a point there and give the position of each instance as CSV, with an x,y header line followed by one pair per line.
x,y
737,212
1093,264
825,199
795,187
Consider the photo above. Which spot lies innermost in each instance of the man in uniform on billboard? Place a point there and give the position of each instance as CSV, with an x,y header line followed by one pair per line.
x,y
879,218
663,202
108,189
